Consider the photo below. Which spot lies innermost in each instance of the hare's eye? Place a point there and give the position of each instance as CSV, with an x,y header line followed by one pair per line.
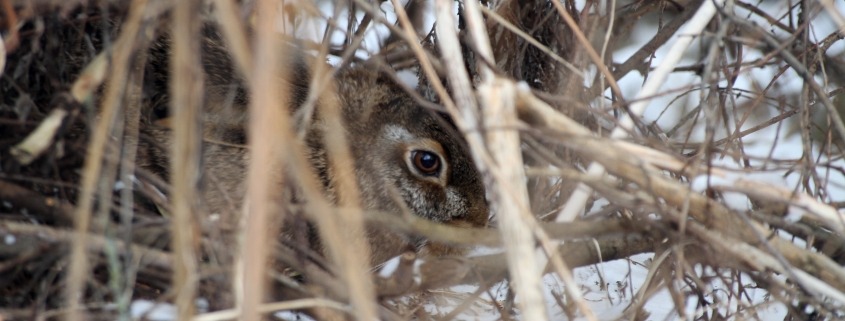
x,y
426,162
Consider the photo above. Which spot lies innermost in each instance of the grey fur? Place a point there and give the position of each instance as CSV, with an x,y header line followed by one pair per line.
x,y
371,105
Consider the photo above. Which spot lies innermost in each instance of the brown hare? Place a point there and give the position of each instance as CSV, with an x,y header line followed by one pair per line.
x,y
406,157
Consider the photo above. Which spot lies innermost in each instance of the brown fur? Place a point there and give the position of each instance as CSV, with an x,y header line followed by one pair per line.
x,y
381,121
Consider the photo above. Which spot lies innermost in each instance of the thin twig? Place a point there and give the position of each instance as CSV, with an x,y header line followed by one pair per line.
x,y
695,26
78,271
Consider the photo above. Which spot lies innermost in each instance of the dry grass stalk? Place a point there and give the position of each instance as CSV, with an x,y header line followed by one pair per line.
x,y
344,230
91,174
519,229
342,234
664,185
508,195
510,200
186,107
41,139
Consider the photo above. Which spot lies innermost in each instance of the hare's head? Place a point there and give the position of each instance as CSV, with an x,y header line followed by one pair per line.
x,y
406,156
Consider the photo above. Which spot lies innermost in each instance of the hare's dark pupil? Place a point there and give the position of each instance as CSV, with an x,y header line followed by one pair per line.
x,y
427,160
428,163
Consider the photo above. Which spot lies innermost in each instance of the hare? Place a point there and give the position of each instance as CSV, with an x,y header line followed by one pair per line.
x,y
399,148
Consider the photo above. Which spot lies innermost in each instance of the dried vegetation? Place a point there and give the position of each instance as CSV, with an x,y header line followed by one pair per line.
x,y
534,86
